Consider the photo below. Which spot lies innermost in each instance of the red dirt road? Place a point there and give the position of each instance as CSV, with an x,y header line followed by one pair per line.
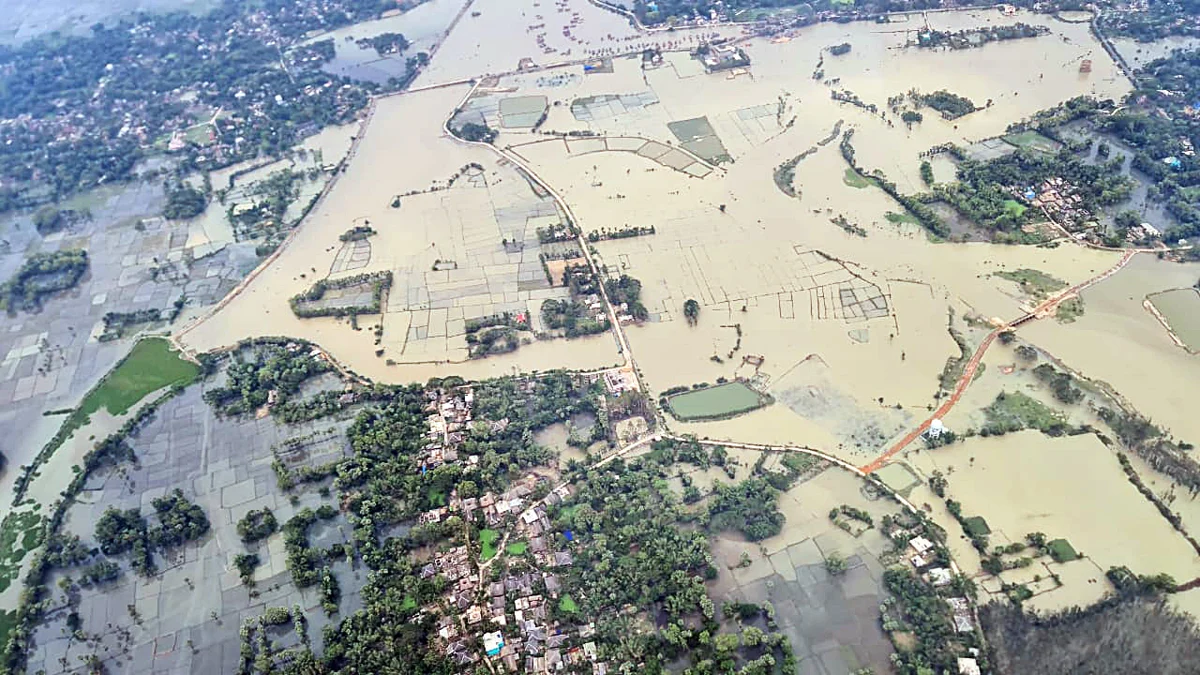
x,y
973,365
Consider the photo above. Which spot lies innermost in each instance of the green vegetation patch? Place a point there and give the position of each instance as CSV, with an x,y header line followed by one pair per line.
x,y
976,526
898,218
150,366
516,548
856,180
1062,551
1068,310
1034,282
1013,411
19,534
567,604
1032,139
1015,207
721,401
487,542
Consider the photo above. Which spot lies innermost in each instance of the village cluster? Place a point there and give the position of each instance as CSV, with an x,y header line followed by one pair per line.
x,y
507,613
921,555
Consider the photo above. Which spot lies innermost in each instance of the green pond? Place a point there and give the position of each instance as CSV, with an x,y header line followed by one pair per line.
x,y
719,401
1181,309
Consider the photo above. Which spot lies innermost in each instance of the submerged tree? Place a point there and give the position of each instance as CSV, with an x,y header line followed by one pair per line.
x,y
691,310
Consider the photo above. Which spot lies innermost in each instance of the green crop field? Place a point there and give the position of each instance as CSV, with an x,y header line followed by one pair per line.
x,y
151,366
1062,551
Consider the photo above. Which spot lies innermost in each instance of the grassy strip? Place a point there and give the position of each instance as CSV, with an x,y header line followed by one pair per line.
x,y
1013,411
1034,282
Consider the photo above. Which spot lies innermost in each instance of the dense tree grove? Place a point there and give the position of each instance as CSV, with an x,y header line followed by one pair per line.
x,y
950,105
184,201
41,275
748,507
924,612
980,192
573,318
257,524
280,367
179,520
1128,634
476,133
1161,142
626,292
1154,20
385,44
691,311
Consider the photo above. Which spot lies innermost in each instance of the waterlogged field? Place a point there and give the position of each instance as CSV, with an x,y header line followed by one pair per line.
x,y
1181,309
723,400
1151,371
1069,488
782,279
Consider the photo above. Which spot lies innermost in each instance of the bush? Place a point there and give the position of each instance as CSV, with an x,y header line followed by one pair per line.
x,y
245,564
100,573
257,525
183,202
181,521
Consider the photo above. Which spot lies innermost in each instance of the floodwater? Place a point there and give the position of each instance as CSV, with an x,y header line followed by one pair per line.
x,y
1078,492
1181,309
1151,372
419,334
423,27
1139,54
212,229
57,473
771,264
496,35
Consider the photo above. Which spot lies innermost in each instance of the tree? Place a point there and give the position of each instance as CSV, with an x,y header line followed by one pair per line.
x,y
691,310
926,171
748,507
835,565
183,202
476,133
1127,219
49,219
